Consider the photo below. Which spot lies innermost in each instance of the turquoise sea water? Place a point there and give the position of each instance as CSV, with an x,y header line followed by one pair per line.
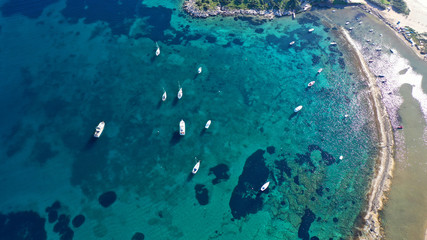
x,y
71,64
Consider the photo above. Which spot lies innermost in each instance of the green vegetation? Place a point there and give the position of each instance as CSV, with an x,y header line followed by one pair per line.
x,y
419,39
380,3
249,4
400,6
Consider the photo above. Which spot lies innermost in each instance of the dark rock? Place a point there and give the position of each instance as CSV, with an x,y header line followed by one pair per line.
x,y
67,234
201,194
62,225
221,173
78,220
319,191
238,42
52,216
271,149
245,198
259,30
314,238
22,225
306,222
28,8
55,206
296,180
335,220
211,39
138,236
107,198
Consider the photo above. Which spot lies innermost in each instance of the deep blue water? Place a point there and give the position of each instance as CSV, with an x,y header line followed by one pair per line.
x,y
71,64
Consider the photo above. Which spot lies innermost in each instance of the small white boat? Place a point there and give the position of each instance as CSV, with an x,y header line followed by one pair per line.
x,y
360,23
346,23
391,50
333,43
297,109
371,30
182,128
341,157
291,43
378,49
164,96
196,167
351,28
199,70
320,70
311,83
180,93
371,61
334,10
265,186
208,123
158,49
99,129
311,30
367,40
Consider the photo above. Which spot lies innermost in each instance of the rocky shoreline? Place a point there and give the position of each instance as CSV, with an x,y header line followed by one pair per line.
x,y
191,8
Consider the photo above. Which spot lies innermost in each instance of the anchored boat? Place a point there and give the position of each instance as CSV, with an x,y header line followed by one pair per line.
x,y
208,124
297,109
99,129
182,128
265,186
180,93
196,167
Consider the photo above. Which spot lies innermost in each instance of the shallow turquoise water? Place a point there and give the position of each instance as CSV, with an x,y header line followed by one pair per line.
x,y
61,77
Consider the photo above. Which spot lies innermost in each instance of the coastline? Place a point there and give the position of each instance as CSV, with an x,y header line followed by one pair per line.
x,y
372,10
381,181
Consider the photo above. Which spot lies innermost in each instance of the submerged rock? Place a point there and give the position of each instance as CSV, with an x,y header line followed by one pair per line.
x,y
245,198
78,220
17,225
306,222
201,194
107,198
221,173
138,236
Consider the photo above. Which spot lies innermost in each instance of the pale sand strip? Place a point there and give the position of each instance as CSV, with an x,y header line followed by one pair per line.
x,y
385,162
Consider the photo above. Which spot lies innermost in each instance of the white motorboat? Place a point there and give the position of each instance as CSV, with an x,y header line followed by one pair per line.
x,y
180,93
291,43
346,23
351,28
371,30
158,49
182,128
196,167
265,186
297,109
341,157
164,96
370,60
311,83
311,30
378,49
99,129
333,43
208,124
391,50
320,70
199,70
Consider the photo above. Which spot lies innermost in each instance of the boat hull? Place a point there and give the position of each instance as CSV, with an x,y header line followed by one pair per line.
x,y
99,129
182,128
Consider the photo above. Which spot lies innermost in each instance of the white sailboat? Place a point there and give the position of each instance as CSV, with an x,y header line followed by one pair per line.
x,y
199,70
311,30
208,124
297,109
196,167
180,93
265,186
164,96
291,43
158,49
99,129
182,128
